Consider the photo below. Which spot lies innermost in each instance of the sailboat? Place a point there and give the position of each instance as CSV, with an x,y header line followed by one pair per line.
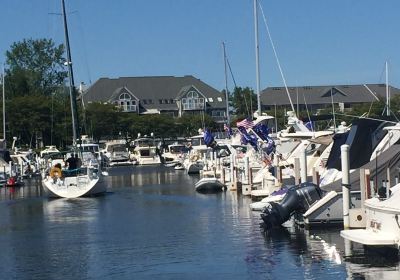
x,y
86,180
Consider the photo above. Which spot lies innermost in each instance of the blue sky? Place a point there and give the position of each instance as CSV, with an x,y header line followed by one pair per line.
x,y
318,42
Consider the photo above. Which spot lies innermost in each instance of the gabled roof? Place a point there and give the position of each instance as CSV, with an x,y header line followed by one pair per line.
x,y
153,88
118,92
322,94
186,89
332,91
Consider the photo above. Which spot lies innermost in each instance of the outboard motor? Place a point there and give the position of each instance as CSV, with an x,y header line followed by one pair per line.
x,y
297,199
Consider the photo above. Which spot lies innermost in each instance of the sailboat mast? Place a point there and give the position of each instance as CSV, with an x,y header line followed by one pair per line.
x,y
74,110
226,88
257,57
4,105
387,91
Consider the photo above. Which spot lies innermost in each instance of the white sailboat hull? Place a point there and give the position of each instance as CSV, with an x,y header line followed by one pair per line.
x,y
74,186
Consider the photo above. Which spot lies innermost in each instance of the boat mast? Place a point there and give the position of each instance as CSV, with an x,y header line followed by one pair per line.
x,y
257,57
4,106
226,88
387,91
72,95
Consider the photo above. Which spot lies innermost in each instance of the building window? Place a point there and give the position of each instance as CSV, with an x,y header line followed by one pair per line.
x,y
192,101
171,101
218,113
160,101
125,103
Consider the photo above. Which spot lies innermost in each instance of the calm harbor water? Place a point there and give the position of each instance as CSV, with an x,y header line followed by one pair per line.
x,y
153,225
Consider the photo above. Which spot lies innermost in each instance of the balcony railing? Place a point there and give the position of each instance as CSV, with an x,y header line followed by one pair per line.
x,y
193,103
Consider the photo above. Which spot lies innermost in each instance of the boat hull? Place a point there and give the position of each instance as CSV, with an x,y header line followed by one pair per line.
x,y
209,185
75,186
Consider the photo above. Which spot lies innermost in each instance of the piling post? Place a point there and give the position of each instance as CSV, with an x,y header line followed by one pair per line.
x,y
223,176
368,193
388,183
232,172
303,165
246,170
297,171
363,186
345,184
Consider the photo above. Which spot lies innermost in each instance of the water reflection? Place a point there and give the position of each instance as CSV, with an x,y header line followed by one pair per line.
x,y
152,224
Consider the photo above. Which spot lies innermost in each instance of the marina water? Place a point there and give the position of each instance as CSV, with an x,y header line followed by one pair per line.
x,y
151,224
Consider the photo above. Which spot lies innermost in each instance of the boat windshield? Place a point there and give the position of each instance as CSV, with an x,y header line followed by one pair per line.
x,y
90,148
119,148
177,149
197,141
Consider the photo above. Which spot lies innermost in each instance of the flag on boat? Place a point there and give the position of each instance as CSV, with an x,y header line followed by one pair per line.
x,y
246,123
248,138
228,129
262,131
310,125
209,139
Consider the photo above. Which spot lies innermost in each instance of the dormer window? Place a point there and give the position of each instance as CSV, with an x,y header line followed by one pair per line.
x,y
126,103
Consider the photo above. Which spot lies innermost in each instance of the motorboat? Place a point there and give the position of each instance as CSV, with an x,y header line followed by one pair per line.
x,y
382,222
372,146
116,153
48,150
174,154
194,162
145,151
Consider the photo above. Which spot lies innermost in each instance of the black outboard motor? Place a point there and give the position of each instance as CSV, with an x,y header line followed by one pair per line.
x,y
297,199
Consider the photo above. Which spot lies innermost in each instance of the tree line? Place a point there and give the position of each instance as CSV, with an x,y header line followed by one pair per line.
x,y
38,106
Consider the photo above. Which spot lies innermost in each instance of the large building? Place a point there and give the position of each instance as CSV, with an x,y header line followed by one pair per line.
x,y
320,97
175,96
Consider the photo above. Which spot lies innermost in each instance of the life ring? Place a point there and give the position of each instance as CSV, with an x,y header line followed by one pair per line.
x,y
55,172
194,157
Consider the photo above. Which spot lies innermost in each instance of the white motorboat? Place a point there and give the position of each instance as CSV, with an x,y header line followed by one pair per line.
x,y
173,154
49,150
382,222
145,151
116,153
194,162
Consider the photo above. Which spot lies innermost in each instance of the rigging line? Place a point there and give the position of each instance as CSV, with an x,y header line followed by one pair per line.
x,y
85,53
333,112
230,71
276,57
367,118
308,113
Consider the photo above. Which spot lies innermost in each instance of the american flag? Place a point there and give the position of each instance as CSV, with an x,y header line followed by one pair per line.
x,y
245,123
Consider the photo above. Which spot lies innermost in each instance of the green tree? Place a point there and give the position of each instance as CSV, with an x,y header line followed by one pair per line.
x,y
34,67
102,120
244,101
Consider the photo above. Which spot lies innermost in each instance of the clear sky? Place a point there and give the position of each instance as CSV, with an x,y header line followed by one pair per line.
x,y
318,41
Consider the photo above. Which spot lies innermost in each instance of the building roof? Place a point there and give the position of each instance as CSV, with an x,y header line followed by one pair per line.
x,y
322,94
153,88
